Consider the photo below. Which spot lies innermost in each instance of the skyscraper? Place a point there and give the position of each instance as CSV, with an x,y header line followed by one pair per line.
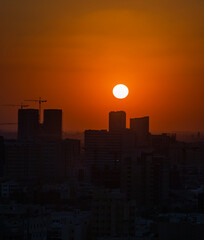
x,y
140,126
52,126
28,124
117,121
2,160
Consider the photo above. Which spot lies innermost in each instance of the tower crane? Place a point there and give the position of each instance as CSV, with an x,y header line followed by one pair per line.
x,y
12,105
39,101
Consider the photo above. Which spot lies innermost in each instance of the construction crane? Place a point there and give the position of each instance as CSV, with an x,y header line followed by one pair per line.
x,y
39,101
15,105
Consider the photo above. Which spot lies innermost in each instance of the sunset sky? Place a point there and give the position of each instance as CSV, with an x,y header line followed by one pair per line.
x,y
74,52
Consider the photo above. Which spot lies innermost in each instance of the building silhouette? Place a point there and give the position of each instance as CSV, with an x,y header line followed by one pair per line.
x,y
117,121
40,152
126,186
52,125
40,159
145,178
140,126
104,149
113,216
28,124
2,156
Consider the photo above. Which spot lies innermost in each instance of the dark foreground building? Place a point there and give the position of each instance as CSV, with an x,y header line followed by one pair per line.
x,y
40,159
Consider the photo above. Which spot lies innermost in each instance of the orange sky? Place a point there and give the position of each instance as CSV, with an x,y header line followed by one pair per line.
x,y
73,53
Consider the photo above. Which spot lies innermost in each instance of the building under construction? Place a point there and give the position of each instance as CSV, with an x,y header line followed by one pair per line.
x,y
30,127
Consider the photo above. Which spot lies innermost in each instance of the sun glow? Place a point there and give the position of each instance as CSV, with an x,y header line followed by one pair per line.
x,y
120,91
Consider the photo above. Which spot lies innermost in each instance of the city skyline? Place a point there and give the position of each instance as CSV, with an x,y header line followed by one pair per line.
x,y
73,54
11,126
101,120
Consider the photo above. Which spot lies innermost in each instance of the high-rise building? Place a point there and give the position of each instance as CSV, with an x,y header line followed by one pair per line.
x,y
28,124
52,126
140,126
103,151
145,178
40,159
97,147
2,160
117,121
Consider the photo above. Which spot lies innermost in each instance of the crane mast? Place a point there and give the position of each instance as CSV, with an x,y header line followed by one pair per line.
x,y
39,101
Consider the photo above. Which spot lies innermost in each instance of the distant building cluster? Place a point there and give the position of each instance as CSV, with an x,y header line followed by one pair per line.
x,y
40,152
123,183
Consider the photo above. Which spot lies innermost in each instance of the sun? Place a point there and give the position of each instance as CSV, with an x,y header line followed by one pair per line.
x,y
120,91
